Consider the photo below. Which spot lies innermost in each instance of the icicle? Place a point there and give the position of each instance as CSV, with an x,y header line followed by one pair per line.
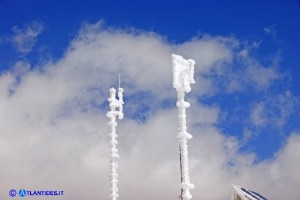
x,y
183,76
116,110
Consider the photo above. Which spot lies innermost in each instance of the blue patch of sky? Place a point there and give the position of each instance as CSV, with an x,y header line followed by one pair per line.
x,y
235,109
139,106
168,103
265,140
178,20
264,144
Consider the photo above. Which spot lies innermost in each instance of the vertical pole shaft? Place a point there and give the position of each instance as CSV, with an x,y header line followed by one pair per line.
x,y
116,110
183,136
183,76
181,178
114,155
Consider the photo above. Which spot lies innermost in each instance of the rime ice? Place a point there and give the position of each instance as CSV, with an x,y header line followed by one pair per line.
x,y
183,76
116,110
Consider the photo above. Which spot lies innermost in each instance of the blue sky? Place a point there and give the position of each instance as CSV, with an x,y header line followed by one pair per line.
x,y
247,78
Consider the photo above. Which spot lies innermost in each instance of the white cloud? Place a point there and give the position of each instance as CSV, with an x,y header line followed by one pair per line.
x,y
247,134
203,115
253,73
209,52
261,76
274,110
257,114
25,38
53,133
270,30
227,65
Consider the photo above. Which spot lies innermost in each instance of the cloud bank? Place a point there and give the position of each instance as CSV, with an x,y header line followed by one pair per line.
x,y
53,130
24,38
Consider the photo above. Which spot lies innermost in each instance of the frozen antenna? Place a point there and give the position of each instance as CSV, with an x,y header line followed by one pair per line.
x,y
183,76
116,110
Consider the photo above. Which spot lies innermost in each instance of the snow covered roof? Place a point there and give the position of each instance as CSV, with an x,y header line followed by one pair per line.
x,y
240,193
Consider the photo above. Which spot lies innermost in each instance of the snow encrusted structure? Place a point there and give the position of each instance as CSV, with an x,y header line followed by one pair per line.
x,y
183,76
240,193
116,110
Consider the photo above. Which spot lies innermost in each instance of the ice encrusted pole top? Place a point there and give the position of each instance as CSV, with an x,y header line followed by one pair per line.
x,y
183,73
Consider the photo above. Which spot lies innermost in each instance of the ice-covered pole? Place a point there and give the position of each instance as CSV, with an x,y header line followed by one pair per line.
x,y
116,110
183,76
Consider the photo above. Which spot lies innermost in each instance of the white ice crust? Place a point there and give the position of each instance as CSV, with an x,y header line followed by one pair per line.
x,y
116,110
183,73
183,76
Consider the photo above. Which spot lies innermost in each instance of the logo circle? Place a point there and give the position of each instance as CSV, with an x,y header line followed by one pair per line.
x,y
22,193
12,193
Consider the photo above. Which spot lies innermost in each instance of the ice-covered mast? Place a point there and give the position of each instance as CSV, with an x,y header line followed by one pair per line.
x,y
183,76
116,110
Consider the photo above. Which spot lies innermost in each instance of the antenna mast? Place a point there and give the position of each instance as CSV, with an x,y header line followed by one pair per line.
x,y
116,110
183,76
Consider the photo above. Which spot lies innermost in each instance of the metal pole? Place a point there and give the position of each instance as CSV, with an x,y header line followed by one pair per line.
x,y
181,178
116,110
183,76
